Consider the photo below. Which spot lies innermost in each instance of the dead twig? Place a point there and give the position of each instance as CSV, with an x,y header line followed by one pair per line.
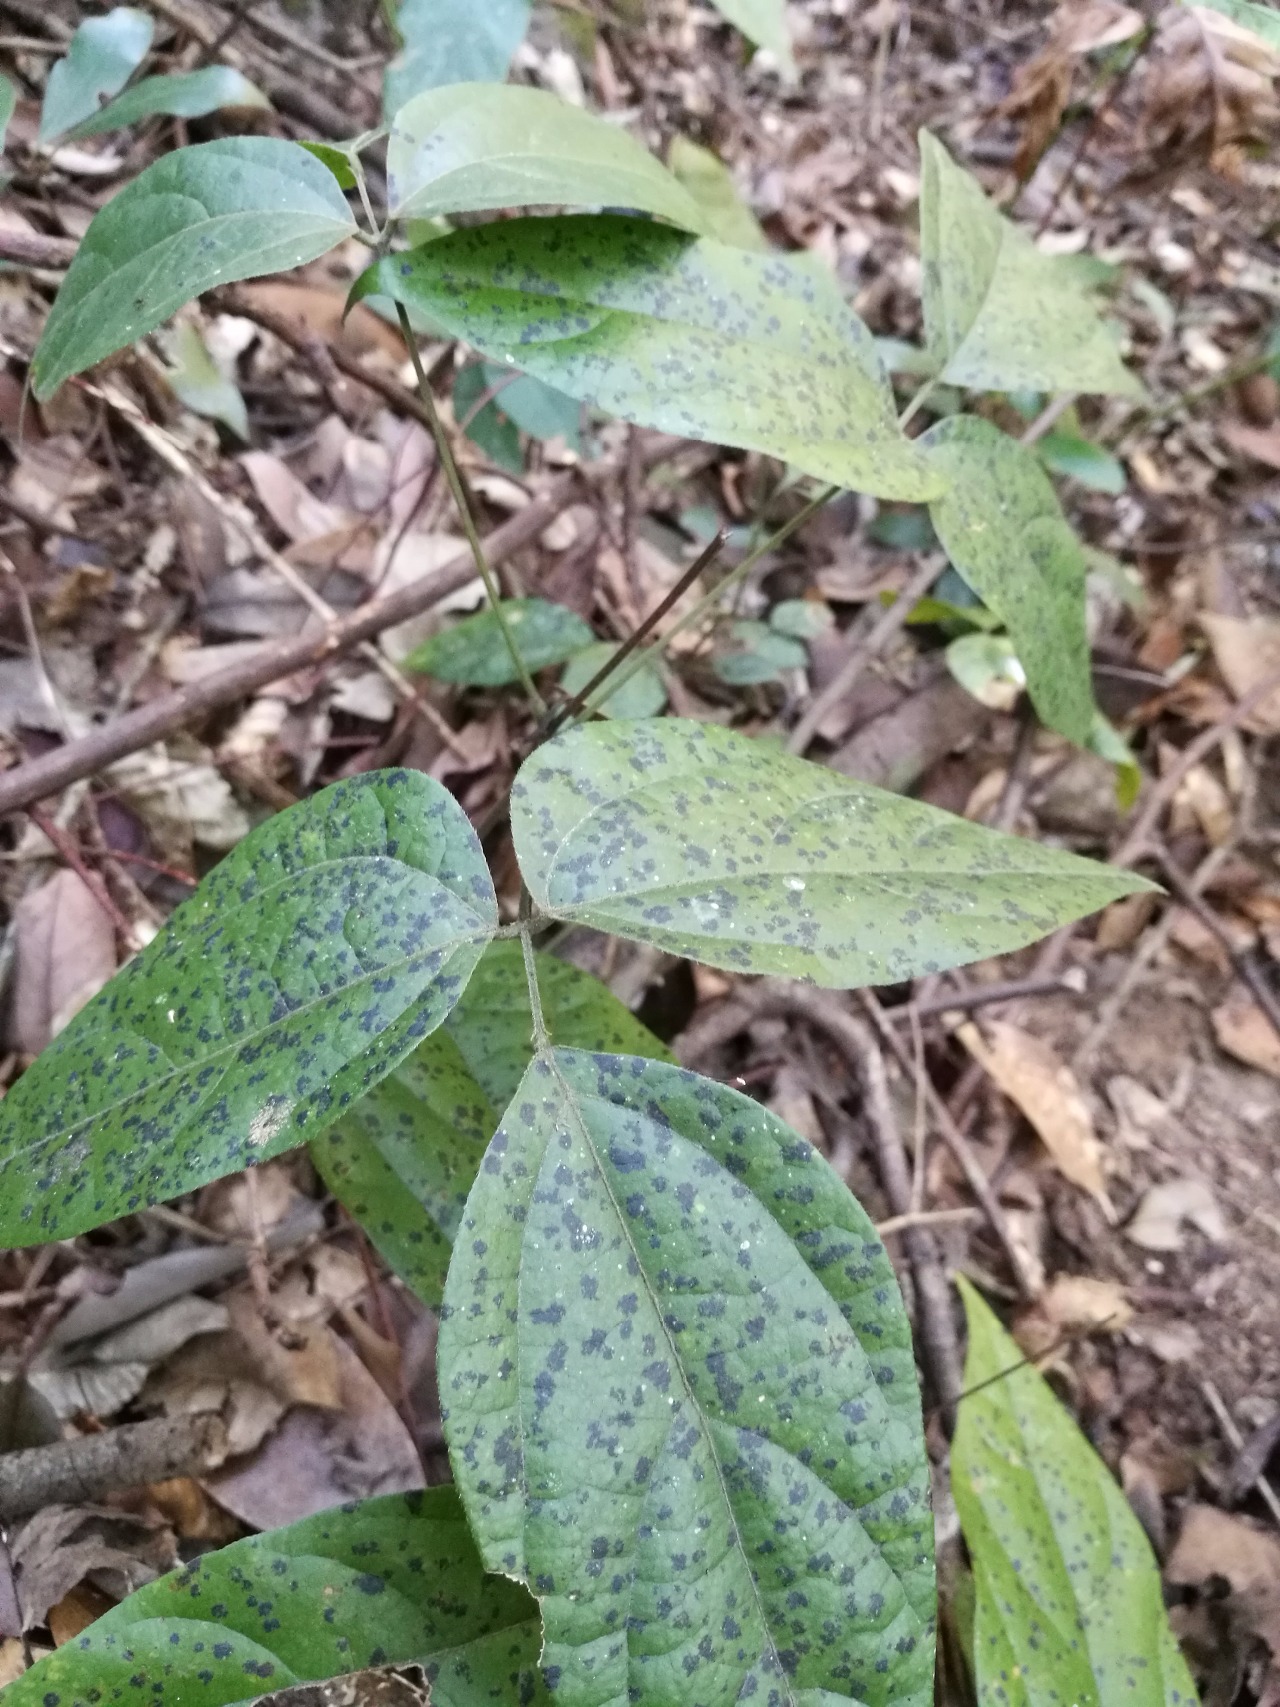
x,y
73,1472
1246,968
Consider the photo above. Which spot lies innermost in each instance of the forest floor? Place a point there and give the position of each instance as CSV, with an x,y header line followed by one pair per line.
x,y
1122,1099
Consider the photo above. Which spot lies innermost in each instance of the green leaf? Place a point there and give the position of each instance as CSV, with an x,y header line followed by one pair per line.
x,y
1079,459
198,382
184,95
474,651
999,314
802,619
765,23
339,160
452,41
310,962
486,425
643,694
987,667
711,845
102,56
405,1158
1263,21
760,654
709,181
1069,1606
8,101
388,1581
527,404
492,145
680,1400
201,217
686,336
1002,527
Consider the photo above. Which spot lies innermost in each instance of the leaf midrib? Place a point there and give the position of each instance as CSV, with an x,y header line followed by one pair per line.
x,y
392,966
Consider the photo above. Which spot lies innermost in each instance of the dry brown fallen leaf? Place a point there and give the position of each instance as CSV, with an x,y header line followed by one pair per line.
x,y
1216,1544
1042,87
1209,90
1167,1208
1032,1075
1244,1031
1072,1304
1247,651
65,951
1262,443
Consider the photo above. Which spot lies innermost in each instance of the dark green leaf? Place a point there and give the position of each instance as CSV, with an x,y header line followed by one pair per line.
x,y
724,849
742,1505
536,408
999,314
1069,1607
201,217
491,145
184,95
474,651
310,962
406,1156
384,1582
8,101
765,23
486,424
710,182
643,694
759,654
1003,529
1263,21
904,530
1077,458
452,41
102,56
687,336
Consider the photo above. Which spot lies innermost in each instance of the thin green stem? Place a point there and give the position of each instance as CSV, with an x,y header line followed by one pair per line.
x,y
374,228
593,702
917,402
541,1037
453,475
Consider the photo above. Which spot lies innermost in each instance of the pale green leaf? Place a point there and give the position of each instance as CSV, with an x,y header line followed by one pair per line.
x,y
987,667
1079,459
684,335
643,694
492,145
803,619
681,1403
8,101
474,652
1002,527
201,217
999,314
711,845
710,182
1069,1607
765,23
757,653
406,1156
199,383
102,56
1262,21
305,967
486,423
388,1581
452,41
184,95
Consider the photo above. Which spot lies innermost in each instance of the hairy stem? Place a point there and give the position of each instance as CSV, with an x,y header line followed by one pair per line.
x,y
541,1037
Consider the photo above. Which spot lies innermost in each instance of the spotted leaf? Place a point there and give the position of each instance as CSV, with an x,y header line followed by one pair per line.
x,y
405,1157
384,1582
686,335
1000,314
200,217
1002,526
680,1400
310,962
1069,1605
721,848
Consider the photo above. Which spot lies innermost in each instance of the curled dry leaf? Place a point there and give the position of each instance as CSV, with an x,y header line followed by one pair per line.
x,y
1042,87
1244,1031
1032,1075
1246,652
1168,1208
1210,90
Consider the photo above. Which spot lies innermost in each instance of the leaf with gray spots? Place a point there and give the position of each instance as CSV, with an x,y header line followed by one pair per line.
x,y
405,1157
474,652
491,145
999,314
680,1400
385,1582
201,217
686,335
1002,526
306,966
714,846
1069,1605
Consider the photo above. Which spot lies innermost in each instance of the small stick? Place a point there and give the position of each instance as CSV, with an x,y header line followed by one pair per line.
x,y
92,880
979,996
1235,1440
1246,968
73,1472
